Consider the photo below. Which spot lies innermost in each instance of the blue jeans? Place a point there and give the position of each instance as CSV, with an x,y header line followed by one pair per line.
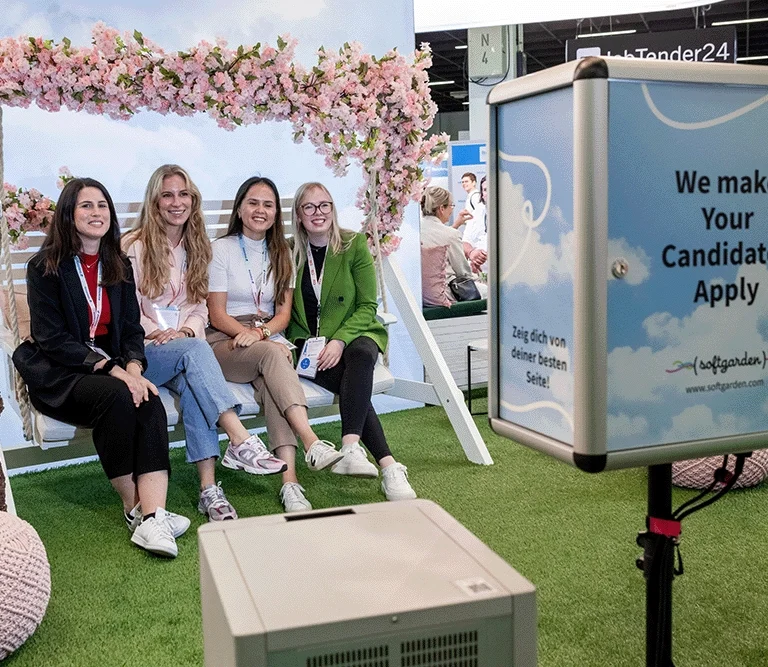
x,y
188,368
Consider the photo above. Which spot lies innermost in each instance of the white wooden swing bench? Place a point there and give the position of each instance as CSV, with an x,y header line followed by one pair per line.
x,y
47,432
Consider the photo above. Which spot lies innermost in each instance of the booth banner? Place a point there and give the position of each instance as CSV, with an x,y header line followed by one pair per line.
x,y
688,215
465,157
536,267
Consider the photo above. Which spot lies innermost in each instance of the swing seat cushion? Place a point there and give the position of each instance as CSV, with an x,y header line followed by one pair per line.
x,y
699,473
52,432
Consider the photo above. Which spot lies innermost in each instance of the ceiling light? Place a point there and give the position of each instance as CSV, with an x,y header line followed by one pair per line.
x,y
762,20
752,58
461,46
436,15
587,35
441,83
466,104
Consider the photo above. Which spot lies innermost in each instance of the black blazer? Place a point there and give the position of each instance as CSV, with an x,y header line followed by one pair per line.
x,y
58,356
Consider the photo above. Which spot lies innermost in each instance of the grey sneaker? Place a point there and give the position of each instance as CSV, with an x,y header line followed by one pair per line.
x,y
214,503
253,457
292,497
322,454
395,484
355,463
154,535
178,523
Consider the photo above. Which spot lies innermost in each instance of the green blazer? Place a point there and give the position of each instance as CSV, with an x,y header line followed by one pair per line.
x,y
347,298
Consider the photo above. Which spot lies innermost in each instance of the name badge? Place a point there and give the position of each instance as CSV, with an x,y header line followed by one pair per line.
x,y
98,350
307,366
279,338
167,318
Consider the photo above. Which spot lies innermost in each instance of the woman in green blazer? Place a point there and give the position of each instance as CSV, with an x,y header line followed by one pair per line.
x,y
335,298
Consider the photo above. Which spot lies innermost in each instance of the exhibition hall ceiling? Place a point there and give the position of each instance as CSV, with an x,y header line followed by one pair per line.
x,y
544,43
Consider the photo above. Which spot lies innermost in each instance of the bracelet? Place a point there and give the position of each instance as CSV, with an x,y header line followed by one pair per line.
x,y
188,332
135,361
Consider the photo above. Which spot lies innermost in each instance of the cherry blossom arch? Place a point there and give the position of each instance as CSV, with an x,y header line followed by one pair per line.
x,y
352,106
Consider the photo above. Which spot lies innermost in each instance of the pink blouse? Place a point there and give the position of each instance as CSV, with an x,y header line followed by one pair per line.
x,y
192,315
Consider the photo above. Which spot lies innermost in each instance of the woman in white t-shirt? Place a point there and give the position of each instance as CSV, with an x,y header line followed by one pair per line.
x,y
251,281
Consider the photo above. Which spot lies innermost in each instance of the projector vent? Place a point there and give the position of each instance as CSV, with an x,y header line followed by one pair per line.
x,y
456,650
375,656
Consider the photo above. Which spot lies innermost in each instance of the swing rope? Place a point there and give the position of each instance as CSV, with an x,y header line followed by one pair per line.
x,y
5,258
371,224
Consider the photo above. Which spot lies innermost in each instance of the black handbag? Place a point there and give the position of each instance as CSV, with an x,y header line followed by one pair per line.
x,y
464,289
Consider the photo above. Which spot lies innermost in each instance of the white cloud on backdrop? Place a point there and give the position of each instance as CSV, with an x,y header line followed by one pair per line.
x,y
638,381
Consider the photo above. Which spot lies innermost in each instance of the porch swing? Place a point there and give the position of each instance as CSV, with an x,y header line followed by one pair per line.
x,y
441,390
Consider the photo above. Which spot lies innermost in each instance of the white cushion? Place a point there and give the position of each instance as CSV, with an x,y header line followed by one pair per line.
x,y
54,432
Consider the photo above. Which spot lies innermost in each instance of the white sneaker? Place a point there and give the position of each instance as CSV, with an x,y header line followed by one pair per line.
x,y
355,462
253,457
177,522
292,497
394,482
154,535
214,504
321,455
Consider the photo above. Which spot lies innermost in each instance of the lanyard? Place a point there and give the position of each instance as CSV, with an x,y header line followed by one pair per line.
x,y
95,308
317,282
256,291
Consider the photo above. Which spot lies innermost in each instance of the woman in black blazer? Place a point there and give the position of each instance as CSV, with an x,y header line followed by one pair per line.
x,y
85,362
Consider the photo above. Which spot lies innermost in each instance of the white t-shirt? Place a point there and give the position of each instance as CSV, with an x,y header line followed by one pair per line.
x,y
228,273
476,232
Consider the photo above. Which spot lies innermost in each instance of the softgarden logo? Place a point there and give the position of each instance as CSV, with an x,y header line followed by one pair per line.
x,y
718,364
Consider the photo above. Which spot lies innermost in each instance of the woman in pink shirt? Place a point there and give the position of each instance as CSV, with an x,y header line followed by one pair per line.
x,y
170,251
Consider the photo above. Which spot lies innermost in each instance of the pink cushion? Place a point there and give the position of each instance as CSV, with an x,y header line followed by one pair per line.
x,y
22,309
434,285
699,473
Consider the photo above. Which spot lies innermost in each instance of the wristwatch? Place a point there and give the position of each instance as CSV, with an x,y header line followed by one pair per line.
x,y
265,332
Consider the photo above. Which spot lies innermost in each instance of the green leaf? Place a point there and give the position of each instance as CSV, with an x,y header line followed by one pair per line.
x,y
281,43
138,37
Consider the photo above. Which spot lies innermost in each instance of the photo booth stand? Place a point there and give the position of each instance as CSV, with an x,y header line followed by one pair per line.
x,y
626,180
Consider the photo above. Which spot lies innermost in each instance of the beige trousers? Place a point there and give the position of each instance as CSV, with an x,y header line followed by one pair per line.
x,y
265,365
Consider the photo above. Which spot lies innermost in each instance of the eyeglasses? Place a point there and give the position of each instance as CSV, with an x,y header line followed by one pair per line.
x,y
311,209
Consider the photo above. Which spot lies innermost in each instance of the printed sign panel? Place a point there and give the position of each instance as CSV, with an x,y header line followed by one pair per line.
x,y
535,276
688,211
465,157
707,45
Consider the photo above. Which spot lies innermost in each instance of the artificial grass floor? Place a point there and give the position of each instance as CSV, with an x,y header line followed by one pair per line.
x,y
570,533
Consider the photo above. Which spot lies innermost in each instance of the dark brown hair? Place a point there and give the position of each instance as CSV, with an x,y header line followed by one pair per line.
x,y
63,242
280,265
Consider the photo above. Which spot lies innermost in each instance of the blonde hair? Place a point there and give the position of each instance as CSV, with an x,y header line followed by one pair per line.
x,y
149,228
339,239
433,198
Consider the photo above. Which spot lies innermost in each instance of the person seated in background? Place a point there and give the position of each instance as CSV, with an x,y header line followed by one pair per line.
x,y
475,237
87,360
251,282
334,313
436,209
170,252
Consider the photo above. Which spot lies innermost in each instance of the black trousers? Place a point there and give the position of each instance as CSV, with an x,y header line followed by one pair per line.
x,y
129,440
352,380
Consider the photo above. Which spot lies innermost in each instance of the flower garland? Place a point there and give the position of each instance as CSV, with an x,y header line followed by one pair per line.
x,y
27,210
350,105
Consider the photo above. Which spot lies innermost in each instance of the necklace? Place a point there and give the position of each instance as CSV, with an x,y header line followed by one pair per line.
x,y
91,265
